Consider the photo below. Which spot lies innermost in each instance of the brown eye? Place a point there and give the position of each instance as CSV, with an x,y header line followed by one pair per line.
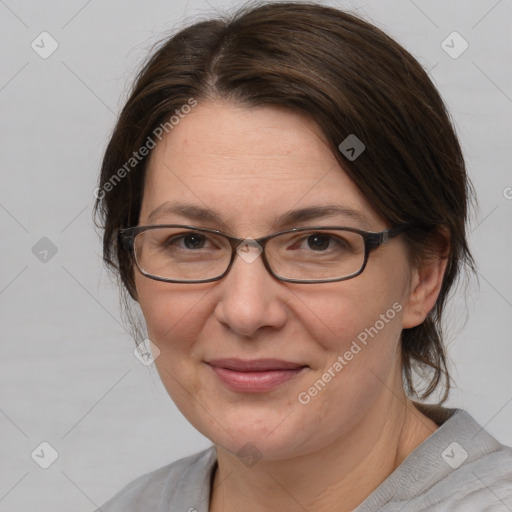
x,y
318,242
193,240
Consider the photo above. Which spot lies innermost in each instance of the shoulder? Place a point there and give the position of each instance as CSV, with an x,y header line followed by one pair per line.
x,y
461,467
183,481
483,484
471,471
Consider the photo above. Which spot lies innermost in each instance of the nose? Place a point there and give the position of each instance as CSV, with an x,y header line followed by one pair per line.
x,y
250,298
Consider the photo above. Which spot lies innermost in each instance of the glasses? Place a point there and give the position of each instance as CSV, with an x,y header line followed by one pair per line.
x,y
188,254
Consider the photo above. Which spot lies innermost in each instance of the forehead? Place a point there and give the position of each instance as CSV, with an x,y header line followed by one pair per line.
x,y
249,164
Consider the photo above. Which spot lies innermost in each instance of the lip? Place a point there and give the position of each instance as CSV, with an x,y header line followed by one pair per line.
x,y
255,376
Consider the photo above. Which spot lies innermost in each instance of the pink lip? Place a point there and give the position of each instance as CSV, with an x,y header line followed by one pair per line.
x,y
256,376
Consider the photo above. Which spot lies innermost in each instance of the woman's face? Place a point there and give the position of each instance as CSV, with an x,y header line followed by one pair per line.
x,y
251,166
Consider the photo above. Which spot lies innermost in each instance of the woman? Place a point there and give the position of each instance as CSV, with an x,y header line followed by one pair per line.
x,y
286,200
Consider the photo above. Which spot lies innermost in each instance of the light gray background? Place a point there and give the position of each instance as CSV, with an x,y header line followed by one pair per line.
x,y
68,373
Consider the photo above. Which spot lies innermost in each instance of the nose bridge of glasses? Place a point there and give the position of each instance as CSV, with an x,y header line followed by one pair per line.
x,y
248,249
238,244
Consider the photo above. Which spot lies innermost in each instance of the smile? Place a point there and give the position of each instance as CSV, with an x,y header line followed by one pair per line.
x,y
256,376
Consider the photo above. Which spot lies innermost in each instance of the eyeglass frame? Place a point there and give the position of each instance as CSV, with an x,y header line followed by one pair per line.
x,y
372,240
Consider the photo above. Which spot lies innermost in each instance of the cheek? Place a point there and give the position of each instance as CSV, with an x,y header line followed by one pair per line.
x,y
356,333
357,339
174,314
175,317
341,314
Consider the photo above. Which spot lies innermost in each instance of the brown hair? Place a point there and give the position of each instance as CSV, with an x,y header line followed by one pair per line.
x,y
348,76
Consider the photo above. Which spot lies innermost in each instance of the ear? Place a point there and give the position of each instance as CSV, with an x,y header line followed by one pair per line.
x,y
425,285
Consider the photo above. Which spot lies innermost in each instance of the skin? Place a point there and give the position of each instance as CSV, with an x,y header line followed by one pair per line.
x,y
251,165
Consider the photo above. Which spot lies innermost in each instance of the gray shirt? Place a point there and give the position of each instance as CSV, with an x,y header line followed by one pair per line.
x,y
458,468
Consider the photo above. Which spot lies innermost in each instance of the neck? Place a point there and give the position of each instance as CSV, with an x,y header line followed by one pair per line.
x,y
338,477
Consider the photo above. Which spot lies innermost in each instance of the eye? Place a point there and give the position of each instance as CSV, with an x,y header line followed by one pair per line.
x,y
318,242
194,240
322,242
191,240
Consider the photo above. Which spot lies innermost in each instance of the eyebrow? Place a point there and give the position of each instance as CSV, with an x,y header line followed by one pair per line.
x,y
189,211
289,219
317,212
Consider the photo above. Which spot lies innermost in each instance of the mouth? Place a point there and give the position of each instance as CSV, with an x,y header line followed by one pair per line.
x,y
255,376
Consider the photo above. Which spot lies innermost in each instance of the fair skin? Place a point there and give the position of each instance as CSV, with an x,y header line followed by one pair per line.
x,y
250,166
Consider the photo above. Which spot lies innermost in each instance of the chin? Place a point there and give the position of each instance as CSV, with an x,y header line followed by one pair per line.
x,y
262,433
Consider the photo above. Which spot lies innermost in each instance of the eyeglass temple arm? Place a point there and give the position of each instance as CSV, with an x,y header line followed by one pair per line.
x,y
377,239
125,238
